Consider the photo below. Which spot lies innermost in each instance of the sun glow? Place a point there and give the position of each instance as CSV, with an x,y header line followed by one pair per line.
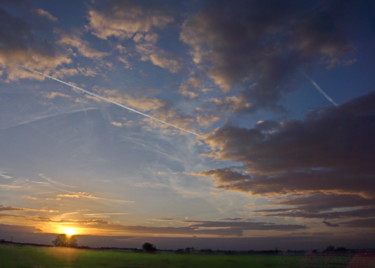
x,y
70,231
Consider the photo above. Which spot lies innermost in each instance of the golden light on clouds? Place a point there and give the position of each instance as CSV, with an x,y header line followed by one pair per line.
x,y
64,229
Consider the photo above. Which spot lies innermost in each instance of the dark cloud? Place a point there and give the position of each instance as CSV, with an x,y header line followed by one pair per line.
x,y
362,223
262,44
322,165
234,219
327,223
4,228
25,40
3,208
246,225
191,228
323,206
296,213
186,228
322,201
331,151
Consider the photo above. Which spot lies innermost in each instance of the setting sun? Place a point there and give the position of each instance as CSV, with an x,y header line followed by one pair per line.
x,y
70,231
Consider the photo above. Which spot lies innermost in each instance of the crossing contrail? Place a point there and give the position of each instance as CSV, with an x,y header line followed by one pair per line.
x,y
36,119
321,91
110,101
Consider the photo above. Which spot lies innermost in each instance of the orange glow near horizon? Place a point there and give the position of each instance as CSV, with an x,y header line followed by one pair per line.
x,y
70,231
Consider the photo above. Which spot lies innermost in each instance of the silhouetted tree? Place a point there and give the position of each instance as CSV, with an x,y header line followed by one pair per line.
x,y
342,249
148,247
329,249
62,240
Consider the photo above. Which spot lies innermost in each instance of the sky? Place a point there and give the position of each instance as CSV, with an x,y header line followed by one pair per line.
x,y
207,124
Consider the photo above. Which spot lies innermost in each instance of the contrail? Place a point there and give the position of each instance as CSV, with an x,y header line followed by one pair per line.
x,y
321,91
46,117
110,101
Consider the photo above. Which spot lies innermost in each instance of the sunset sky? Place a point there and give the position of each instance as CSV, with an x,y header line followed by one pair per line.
x,y
280,95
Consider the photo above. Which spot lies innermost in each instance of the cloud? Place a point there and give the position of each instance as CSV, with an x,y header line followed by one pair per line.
x,y
158,108
10,208
246,225
84,195
4,229
54,94
320,167
159,57
45,14
164,219
234,103
25,42
260,46
2,208
5,176
144,104
226,228
126,62
362,223
193,86
190,228
123,19
63,72
8,186
127,20
234,219
330,151
172,116
118,124
40,118
322,205
207,120
327,223
81,45
297,213
327,201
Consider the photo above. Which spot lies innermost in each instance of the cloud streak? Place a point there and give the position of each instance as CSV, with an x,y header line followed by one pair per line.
x,y
43,117
112,102
319,89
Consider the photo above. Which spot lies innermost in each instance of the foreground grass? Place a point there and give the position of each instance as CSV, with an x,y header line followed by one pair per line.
x,y
39,257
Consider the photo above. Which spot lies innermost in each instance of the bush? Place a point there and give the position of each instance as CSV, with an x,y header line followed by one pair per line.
x,y
148,247
62,240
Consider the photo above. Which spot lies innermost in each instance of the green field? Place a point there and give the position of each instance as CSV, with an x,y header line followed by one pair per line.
x,y
12,256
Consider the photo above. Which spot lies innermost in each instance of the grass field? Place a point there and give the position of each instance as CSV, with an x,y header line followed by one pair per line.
x,y
39,257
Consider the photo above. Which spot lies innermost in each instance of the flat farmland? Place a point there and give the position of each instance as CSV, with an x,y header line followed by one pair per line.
x,y
12,256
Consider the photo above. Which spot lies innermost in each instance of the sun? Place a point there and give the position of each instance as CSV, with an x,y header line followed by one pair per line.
x,y
70,231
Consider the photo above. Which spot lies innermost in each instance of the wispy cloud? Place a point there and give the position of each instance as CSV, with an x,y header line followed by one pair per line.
x,y
10,187
124,20
84,195
6,176
9,208
73,40
46,14
153,118
49,115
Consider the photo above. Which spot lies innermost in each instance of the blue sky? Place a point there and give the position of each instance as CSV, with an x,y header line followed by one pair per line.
x,y
275,159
